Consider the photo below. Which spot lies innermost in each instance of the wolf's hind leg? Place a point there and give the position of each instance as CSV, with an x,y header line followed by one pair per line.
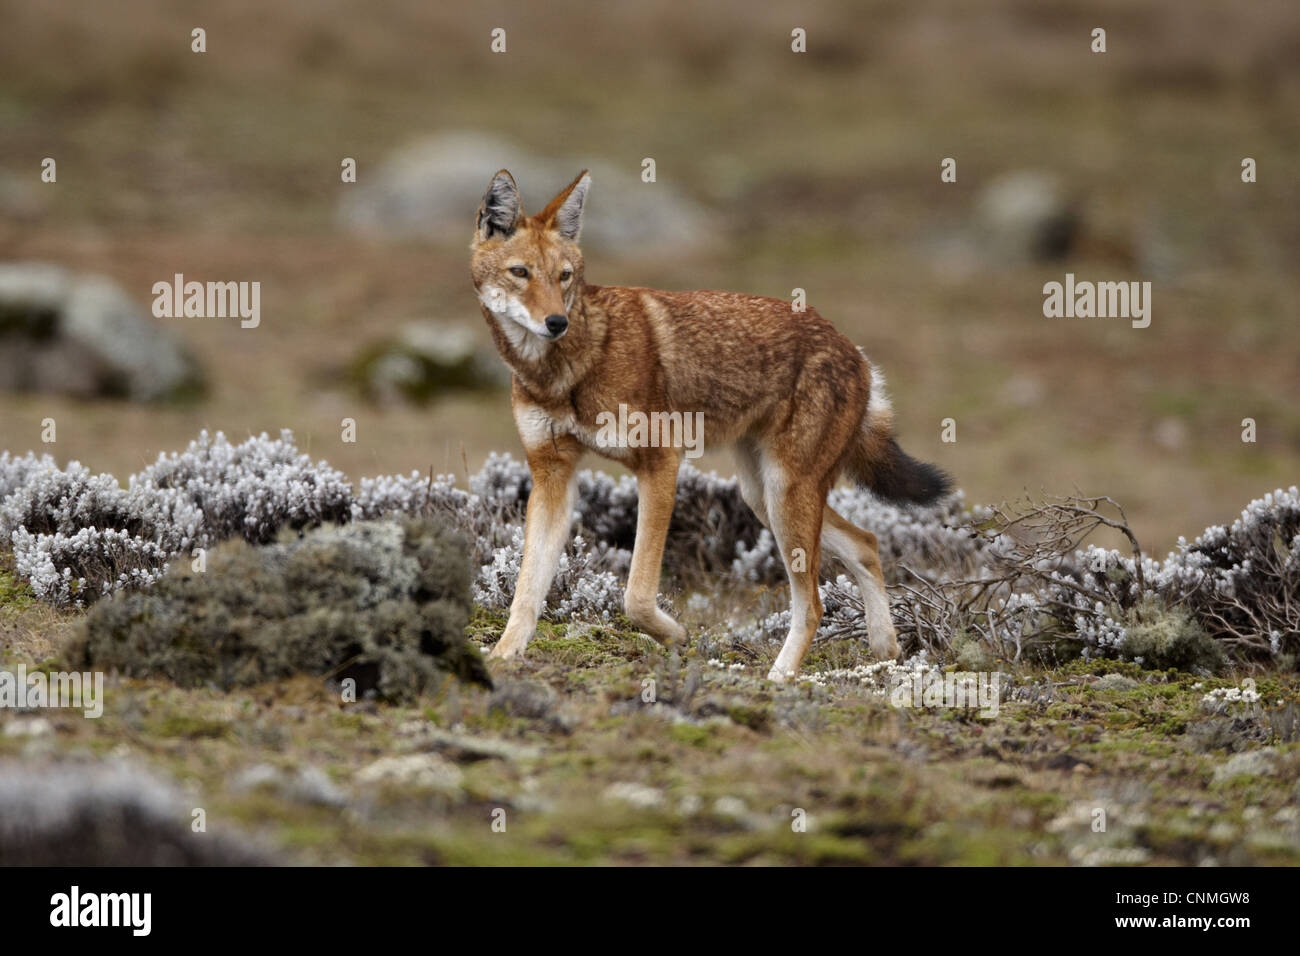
x,y
857,549
749,476
795,510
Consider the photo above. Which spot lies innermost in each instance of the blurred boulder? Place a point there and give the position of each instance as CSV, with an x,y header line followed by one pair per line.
x,y
105,814
423,361
431,189
20,200
1026,216
307,785
418,771
82,336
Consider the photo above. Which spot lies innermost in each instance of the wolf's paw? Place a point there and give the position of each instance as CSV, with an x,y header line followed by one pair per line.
x,y
649,619
505,650
779,674
885,646
886,652
672,637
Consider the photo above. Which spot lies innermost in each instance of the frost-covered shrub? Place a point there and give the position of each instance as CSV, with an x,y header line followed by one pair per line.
x,y
709,517
1016,582
585,587
502,483
1239,584
713,532
384,603
15,471
250,490
1242,581
79,568
411,494
757,564
712,527
843,616
78,536
67,501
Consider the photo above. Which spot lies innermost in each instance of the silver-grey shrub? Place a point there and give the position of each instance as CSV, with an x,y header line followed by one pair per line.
x,y
953,570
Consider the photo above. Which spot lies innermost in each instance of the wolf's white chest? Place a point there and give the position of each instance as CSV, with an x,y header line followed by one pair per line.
x,y
537,426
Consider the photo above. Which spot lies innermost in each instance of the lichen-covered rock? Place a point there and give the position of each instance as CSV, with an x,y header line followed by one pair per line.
x,y
1114,682
1252,763
84,336
423,361
383,603
1169,637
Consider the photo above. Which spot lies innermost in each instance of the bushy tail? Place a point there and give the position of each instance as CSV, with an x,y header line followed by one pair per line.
x,y
876,462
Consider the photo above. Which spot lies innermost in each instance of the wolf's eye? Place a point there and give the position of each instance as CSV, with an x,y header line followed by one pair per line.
x,y
566,275
519,271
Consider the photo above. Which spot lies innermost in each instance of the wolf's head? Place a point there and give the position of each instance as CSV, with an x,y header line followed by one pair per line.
x,y
528,270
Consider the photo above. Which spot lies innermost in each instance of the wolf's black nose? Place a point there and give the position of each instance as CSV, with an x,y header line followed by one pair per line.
x,y
556,324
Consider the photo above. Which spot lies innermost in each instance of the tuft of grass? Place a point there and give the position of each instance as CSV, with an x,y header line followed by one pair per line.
x,y
14,593
381,603
1165,637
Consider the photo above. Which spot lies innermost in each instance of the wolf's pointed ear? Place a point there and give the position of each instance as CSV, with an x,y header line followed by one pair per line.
x,y
564,212
498,213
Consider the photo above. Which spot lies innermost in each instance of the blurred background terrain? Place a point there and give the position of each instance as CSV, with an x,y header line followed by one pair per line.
x,y
775,170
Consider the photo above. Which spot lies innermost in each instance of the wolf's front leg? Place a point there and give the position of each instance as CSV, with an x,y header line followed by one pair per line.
x,y
656,487
546,529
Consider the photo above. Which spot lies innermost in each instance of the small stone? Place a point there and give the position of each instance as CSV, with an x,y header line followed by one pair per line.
x,y
732,807
28,727
635,794
422,771
1252,763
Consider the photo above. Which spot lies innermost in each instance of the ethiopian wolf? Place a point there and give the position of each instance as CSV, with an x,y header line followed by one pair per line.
x,y
798,401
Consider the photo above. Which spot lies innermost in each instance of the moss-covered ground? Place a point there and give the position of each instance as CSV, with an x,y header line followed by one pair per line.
x,y
568,761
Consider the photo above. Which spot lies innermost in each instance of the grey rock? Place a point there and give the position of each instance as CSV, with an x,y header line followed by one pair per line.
x,y
309,785
106,814
466,749
83,336
1026,216
634,794
1251,763
431,189
524,698
425,360
422,771
28,727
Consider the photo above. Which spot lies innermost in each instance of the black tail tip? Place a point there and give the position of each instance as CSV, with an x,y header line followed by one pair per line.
x,y
904,480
